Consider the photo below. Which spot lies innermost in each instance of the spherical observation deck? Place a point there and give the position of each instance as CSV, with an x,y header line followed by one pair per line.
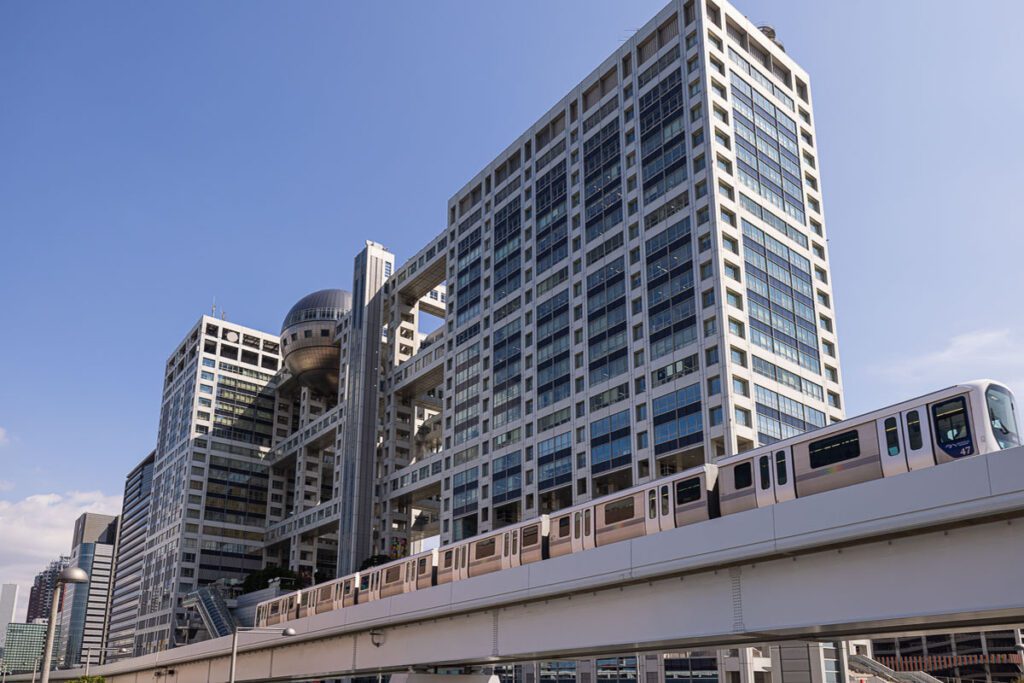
x,y
307,338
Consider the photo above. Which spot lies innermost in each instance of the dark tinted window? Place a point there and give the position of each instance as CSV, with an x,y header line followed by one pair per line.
x,y
485,548
530,535
563,527
392,574
781,475
765,467
952,429
448,559
914,430
743,475
834,449
688,491
422,565
618,510
1001,416
892,436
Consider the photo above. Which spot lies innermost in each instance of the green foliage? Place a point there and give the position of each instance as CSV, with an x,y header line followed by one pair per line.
x,y
88,679
259,579
373,561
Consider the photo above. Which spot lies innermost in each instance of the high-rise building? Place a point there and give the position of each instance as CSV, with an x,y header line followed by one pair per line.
x,y
24,647
83,614
208,511
40,597
636,285
8,601
122,615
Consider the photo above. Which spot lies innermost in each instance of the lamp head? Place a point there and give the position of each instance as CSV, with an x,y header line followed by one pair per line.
x,y
288,632
73,575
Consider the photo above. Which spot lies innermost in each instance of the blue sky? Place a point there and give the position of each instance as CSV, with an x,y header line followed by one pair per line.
x,y
154,156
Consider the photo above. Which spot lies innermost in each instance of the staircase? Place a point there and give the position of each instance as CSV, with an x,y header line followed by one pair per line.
x,y
213,610
867,665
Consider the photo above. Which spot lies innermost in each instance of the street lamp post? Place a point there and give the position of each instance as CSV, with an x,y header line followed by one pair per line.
x,y
35,668
89,650
249,629
67,575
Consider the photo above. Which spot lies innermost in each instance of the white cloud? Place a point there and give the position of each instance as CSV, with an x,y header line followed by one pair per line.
x,y
990,354
37,529
6,485
4,438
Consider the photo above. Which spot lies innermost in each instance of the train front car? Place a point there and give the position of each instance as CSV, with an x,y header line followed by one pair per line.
x,y
1002,416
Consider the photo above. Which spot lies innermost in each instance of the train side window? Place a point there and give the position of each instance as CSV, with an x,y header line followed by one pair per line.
x,y
914,430
348,588
422,565
892,436
275,608
392,574
652,504
485,548
834,449
664,500
687,491
515,544
952,428
448,560
577,521
781,475
465,556
563,527
742,475
765,467
530,536
364,582
618,510
586,522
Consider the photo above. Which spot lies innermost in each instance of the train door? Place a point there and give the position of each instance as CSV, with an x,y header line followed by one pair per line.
x,y
764,491
409,578
893,446
462,562
583,529
917,438
659,515
510,555
785,486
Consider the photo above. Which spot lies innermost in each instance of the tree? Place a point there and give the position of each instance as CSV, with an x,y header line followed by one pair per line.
x,y
373,561
88,679
259,580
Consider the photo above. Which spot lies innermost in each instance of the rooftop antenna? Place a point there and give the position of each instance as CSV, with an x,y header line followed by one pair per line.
x,y
213,308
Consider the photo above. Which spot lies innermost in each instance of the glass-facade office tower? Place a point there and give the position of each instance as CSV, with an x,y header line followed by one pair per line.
x,y
209,493
40,597
83,614
119,641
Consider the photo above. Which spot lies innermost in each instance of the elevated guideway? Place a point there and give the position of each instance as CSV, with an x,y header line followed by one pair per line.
x,y
941,548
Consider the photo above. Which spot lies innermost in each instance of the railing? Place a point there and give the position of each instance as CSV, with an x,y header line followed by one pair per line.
x,y
882,671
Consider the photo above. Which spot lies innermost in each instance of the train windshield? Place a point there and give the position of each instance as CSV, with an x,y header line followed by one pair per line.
x,y
1001,416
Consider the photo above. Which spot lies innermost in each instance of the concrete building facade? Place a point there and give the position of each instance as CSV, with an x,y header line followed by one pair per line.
x,y
8,602
208,507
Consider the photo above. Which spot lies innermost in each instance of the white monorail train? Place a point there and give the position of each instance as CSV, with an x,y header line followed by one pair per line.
x,y
967,419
